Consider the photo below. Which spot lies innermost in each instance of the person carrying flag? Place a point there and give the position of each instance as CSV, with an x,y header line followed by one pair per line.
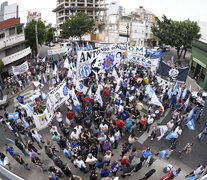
x,y
20,99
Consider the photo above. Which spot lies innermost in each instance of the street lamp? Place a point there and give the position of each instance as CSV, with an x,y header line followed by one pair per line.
x,y
127,31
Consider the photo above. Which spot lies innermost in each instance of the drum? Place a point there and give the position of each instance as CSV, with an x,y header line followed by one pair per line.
x,y
139,106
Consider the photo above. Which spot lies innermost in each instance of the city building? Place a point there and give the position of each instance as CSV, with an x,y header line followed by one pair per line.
x,y
8,11
66,8
33,16
13,50
198,62
145,15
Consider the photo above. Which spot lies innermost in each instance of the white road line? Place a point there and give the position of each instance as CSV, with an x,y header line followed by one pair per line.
x,y
145,135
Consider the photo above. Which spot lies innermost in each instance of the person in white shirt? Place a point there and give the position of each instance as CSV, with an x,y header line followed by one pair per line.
x,y
37,137
132,139
91,160
178,131
111,139
116,137
80,164
107,157
59,118
170,125
74,135
78,128
101,140
150,120
68,103
54,129
200,169
103,127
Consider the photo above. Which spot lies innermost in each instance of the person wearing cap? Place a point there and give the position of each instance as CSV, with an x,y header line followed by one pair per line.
x,y
80,164
91,161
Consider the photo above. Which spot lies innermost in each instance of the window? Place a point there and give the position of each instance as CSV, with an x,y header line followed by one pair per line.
x,y
203,75
11,31
2,36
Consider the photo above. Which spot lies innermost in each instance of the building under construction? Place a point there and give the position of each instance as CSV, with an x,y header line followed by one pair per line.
x,y
66,8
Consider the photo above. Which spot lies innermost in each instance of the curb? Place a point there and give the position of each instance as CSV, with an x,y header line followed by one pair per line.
x,y
12,96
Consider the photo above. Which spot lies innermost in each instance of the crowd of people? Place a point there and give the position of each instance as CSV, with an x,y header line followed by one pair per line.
x,y
88,134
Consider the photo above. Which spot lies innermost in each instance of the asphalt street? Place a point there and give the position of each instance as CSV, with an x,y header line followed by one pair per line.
x,y
197,156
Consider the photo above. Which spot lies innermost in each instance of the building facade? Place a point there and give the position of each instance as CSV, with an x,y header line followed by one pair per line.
x,y
13,50
33,16
66,8
8,11
198,63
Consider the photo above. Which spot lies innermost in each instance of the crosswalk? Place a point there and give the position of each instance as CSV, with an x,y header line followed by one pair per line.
x,y
26,99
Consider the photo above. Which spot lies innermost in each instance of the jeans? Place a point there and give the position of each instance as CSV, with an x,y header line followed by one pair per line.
x,y
25,152
116,144
25,166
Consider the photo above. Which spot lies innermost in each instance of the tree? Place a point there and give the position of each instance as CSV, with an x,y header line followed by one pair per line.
x,y
77,26
30,34
49,34
178,34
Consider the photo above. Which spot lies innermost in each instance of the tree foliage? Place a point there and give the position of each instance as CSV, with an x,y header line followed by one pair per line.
x,y
30,33
178,34
49,34
77,26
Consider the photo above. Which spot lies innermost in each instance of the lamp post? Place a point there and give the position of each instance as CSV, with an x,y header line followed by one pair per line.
x,y
127,31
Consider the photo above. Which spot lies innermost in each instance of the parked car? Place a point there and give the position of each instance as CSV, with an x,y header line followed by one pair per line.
x,y
4,101
198,97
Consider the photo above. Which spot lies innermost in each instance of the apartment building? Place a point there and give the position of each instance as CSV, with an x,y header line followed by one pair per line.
x,y
8,11
13,50
33,16
66,8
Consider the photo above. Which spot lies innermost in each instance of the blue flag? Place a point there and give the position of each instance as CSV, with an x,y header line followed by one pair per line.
x,y
190,116
10,140
171,135
164,153
69,51
191,124
14,115
192,178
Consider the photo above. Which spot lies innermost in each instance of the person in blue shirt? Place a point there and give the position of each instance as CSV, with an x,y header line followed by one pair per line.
x,y
115,167
174,100
199,116
125,114
100,163
10,150
105,172
146,153
127,97
129,122
20,99
76,144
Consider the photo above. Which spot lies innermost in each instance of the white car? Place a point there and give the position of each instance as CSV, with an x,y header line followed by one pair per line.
x,y
198,97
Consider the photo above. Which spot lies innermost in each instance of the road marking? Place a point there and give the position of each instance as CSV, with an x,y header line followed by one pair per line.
x,y
145,135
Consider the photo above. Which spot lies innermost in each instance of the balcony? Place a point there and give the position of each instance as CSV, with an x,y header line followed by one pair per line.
x,y
16,56
11,40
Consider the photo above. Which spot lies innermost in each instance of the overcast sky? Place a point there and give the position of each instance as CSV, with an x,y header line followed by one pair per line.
x,y
175,9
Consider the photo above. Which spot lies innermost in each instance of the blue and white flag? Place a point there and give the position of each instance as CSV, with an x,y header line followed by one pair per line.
x,y
192,178
43,60
171,135
89,46
44,96
77,47
83,47
179,94
66,64
164,153
90,93
175,89
75,99
10,140
69,51
32,98
187,102
114,73
28,109
98,97
153,53
80,87
14,115
44,78
191,124
149,90
190,116
170,93
184,93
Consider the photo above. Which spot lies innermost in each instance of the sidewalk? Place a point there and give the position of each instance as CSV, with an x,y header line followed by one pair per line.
x,y
37,172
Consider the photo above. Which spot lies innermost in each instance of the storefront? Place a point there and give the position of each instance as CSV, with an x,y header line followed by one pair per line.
x,y
198,63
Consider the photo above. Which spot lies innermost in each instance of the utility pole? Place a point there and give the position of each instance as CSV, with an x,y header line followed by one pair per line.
x,y
36,35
